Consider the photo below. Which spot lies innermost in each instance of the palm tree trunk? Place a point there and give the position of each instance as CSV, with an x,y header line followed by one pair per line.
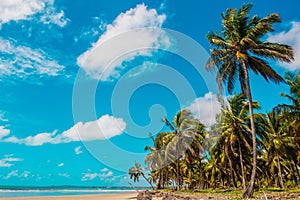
x,y
231,173
298,175
242,166
143,175
279,171
160,179
177,168
250,189
177,175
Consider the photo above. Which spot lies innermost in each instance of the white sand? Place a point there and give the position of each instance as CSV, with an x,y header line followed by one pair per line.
x,y
123,196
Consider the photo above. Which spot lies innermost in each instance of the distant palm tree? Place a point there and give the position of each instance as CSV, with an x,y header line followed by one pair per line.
x,y
137,171
238,49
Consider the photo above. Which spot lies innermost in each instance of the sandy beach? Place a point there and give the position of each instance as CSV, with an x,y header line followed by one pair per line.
x,y
124,196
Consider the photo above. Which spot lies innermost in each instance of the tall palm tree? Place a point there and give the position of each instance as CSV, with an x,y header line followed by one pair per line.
x,y
239,49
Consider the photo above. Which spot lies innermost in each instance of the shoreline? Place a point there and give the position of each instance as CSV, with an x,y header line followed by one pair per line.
x,y
119,196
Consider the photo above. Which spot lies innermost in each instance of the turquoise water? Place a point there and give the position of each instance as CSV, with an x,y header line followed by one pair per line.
x,y
20,191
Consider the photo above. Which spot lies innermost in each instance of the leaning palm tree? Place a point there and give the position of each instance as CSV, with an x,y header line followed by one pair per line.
x,y
239,49
137,171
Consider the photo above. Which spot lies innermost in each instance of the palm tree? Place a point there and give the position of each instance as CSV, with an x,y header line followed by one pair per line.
x,y
137,171
275,141
232,123
293,80
156,158
292,117
239,49
183,137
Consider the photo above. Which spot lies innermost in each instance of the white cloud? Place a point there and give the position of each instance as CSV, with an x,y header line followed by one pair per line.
x,y
104,170
23,61
103,128
13,173
25,174
52,17
104,59
8,160
5,164
36,140
78,150
66,175
60,164
2,117
19,9
4,132
144,68
14,10
291,37
91,176
206,108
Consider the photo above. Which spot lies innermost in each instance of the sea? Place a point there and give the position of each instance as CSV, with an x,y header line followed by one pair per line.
x,y
25,191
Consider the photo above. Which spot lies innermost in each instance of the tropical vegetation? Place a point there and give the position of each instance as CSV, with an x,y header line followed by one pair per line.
x,y
245,149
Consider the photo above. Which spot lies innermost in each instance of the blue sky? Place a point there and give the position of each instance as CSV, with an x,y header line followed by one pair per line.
x,y
84,82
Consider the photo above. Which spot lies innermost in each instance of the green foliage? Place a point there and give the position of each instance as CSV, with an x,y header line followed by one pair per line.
x,y
178,160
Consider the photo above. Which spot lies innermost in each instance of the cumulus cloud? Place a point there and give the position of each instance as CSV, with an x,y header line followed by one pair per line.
x,y
291,37
91,176
103,61
24,10
23,61
8,160
206,108
103,128
78,150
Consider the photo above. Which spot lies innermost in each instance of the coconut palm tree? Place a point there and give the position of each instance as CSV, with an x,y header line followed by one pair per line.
x,y
275,142
156,158
232,124
137,171
183,138
239,49
292,116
